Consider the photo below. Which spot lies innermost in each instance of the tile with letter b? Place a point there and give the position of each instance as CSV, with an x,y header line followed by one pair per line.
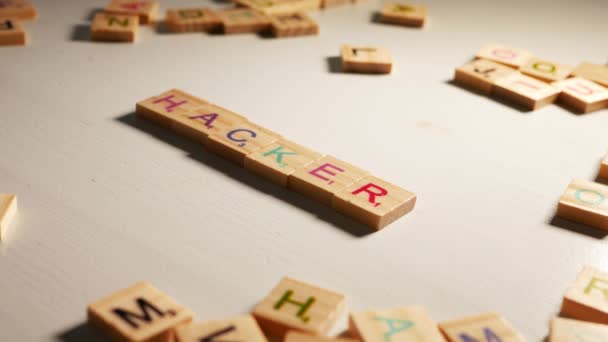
x,y
207,119
114,27
11,32
585,202
243,328
525,91
595,72
235,142
404,324
146,10
8,211
587,298
582,95
243,20
570,330
403,14
480,75
485,327
296,336
506,55
18,9
545,70
374,202
292,25
294,305
138,313
191,20
164,108
366,59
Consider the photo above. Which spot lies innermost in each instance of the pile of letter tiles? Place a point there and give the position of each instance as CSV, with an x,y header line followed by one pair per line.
x,y
12,12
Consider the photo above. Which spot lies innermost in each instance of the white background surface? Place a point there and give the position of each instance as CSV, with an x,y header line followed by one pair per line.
x,y
106,200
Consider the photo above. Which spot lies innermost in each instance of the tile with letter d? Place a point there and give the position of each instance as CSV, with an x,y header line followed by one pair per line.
x,y
205,120
525,91
164,108
506,55
8,211
403,14
585,202
243,20
235,142
597,73
296,336
114,27
243,328
545,70
587,298
11,32
18,9
480,75
570,330
582,95
146,10
485,327
191,20
295,305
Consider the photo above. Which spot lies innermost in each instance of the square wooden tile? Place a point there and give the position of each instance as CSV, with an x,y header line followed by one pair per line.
x,y
291,25
296,336
192,20
569,330
114,27
325,177
403,14
604,168
546,71
374,202
138,313
243,328
485,327
503,54
525,91
207,119
582,95
8,211
236,142
17,9
587,298
585,202
276,162
366,59
480,75
243,20
597,73
11,32
404,324
146,10
295,305
164,109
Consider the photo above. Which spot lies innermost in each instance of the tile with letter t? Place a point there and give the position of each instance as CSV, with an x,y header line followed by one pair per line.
x,y
404,324
243,20
114,27
18,9
587,298
585,202
8,211
569,330
595,72
294,305
146,10
296,336
138,313
545,70
525,91
191,20
235,142
480,75
403,14
243,328
485,327
164,109
582,95
506,55
366,59
11,32
292,25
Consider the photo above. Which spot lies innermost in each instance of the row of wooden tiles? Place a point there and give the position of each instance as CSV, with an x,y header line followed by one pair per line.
x,y
518,76
350,190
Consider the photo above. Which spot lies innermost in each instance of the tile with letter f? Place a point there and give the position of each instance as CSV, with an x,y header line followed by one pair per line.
x,y
587,298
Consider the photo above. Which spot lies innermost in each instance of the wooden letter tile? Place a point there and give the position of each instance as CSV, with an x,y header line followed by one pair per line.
x,y
334,3
403,14
18,9
505,55
322,179
366,59
595,72
374,202
281,6
236,142
587,298
243,328
296,336
545,70
11,32
146,10
569,330
114,27
604,168
525,91
164,108
405,324
582,95
243,20
480,75
291,25
585,202
205,120
191,20
8,210
294,305
486,327
138,313
278,161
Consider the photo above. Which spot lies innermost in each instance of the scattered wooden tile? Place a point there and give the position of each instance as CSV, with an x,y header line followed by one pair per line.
x,y
291,25
405,324
403,14
17,9
281,6
114,27
585,202
146,10
485,327
243,20
325,177
164,108
480,75
374,202
587,298
294,305
604,168
505,55
138,313
235,142
582,95
366,59
243,328
569,330
11,32
192,20
8,211
334,3
525,91
545,70
296,336
595,72
207,119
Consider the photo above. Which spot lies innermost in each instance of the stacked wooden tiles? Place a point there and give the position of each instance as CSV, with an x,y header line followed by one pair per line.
x,y
518,76
12,12
293,311
350,190
121,19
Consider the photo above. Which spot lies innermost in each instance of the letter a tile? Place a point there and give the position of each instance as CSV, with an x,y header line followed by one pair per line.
x,y
587,298
488,327
243,328
138,313
585,202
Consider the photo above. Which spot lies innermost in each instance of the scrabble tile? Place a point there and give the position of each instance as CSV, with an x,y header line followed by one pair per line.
x,y
11,32
192,20
585,202
138,313
281,6
480,75
276,162
296,336
404,324
243,20
243,328
235,142
147,10
18,9
366,59
294,305
322,179
525,91
545,70
582,95
587,298
403,14
207,119
505,55
374,202
569,330
604,168
291,25
595,72
485,327
334,3
114,27
8,211
164,108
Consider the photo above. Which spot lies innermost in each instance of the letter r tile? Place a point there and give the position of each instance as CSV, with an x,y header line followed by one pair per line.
x,y
488,327
587,298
